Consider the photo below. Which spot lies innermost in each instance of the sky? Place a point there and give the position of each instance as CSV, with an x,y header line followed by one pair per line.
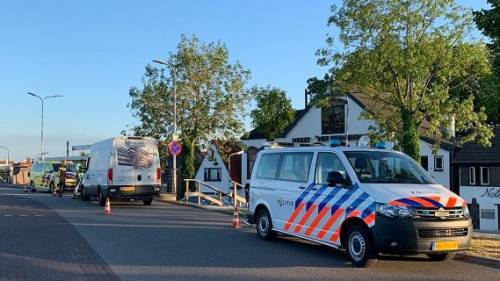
x,y
93,51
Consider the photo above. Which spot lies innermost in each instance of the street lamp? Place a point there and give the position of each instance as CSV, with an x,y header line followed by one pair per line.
x,y
42,99
174,157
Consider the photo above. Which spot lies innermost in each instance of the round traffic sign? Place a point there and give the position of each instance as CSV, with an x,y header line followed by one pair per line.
x,y
174,148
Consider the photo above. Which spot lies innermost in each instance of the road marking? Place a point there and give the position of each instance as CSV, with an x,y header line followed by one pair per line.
x,y
7,215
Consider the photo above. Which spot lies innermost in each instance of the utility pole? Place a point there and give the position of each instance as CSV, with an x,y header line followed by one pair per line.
x,y
42,99
174,134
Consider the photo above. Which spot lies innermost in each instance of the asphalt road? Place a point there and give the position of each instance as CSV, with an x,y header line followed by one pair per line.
x,y
49,238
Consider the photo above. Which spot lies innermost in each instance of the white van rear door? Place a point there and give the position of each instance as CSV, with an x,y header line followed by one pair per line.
x,y
147,161
124,172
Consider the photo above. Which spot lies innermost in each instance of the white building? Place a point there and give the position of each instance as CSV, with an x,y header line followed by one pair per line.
x,y
213,172
477,174
313,125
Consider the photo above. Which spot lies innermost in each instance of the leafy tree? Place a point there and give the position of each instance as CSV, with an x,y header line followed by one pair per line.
x,y
488,22
320,90
211,97
407,55
274,111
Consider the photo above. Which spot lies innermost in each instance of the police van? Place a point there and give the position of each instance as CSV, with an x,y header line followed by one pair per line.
x,y
368,201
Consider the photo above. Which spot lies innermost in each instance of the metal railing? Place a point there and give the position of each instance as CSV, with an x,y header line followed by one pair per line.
x,y
217,198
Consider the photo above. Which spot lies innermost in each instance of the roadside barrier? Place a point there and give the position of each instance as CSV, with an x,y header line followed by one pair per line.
x,y
107,207
236,219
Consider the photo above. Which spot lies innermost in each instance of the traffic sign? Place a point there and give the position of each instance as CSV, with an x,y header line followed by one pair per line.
x,y
174,148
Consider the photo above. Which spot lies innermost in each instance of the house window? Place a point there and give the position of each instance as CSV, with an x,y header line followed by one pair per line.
x,y
301,140
333,120
424,161
485,175
472,175
438,163
212,174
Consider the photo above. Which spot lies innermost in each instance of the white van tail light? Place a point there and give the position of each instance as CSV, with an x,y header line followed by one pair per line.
x,y
110,176
158,174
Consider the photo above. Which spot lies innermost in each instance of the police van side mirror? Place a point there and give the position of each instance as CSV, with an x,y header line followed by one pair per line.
x,y
335,178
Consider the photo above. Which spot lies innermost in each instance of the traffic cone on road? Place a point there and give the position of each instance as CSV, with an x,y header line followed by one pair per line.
x,y
107,207
236,219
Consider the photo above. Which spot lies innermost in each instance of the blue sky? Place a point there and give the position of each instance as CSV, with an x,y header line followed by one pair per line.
x,y
93,51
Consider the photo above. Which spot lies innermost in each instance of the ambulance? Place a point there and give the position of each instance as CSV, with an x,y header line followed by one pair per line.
x,y
367,201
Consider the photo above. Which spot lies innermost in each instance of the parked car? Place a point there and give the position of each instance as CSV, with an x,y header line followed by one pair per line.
x,y
367,201
43,176
124,169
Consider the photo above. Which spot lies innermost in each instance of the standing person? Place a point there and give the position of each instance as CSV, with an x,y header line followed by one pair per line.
x,y
62,178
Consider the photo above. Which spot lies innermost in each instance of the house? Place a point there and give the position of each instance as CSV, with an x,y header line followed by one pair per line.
x,y
213,171
344,120
477,176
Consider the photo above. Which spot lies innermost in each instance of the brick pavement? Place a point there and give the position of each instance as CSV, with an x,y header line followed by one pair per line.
x,y
37,244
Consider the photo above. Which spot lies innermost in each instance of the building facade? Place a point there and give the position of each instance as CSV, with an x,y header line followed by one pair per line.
x,y
477,177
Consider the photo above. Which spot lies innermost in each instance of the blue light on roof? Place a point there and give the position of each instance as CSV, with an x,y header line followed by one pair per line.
x,y
380,145
334,142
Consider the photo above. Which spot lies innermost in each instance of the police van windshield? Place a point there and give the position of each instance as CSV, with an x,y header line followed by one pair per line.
x,y
387,167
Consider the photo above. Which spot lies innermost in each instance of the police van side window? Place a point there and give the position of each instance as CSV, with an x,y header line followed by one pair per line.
x,y
295,166
327,162
268,166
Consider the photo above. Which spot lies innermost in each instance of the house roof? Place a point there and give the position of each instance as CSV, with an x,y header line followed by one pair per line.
x,y
367,103
474,153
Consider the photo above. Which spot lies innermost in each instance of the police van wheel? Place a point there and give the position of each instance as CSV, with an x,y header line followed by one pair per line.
x,y
359,247
441,256
147,202
265,225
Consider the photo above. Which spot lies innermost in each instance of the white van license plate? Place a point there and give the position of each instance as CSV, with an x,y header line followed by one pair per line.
x,y
127,188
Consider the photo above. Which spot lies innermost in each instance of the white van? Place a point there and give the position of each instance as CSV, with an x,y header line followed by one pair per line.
x,y
122,168
367,201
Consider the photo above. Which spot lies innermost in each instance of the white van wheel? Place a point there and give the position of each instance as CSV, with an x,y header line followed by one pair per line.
x,y
360,247
265,225
32,186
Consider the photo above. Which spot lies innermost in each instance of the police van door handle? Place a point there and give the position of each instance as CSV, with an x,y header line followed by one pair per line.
x,y
314,188
302,187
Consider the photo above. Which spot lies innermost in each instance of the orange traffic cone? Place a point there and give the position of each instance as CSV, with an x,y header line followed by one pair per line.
x,y
236,219
107,207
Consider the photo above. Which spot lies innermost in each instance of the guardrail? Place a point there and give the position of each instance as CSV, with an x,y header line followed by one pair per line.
x,y
219,194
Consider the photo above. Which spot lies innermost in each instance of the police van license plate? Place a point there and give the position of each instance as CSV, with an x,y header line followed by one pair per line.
x,y
127,188
444,245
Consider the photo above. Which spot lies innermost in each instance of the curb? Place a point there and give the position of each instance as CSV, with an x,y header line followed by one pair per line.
x,y
222,211
477,260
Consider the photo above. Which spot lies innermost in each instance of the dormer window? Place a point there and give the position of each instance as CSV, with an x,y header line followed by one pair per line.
x,y
333,120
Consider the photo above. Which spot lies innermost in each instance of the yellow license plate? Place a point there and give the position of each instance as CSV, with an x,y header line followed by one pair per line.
x,y
127,188
445,245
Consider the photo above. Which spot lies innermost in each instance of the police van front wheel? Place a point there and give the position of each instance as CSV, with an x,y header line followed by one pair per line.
x,y
265,225
359,247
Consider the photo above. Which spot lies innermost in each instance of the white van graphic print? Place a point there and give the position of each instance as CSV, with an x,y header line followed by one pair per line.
x,y
134,157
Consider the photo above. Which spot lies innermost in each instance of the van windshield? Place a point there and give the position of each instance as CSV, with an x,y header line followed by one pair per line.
x,y
387,167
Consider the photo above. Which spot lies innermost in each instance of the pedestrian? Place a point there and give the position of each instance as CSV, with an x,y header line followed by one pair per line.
x,y
62,178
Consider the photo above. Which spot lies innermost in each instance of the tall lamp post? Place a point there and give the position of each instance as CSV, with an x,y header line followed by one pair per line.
x,y
174,157
8,161
8,153
42,99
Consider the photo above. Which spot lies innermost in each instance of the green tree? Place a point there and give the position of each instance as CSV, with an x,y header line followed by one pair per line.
x,y
488,22
274,111
211,97
407,55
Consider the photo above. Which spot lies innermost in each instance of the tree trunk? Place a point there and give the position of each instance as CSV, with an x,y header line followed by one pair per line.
x,y
410,141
